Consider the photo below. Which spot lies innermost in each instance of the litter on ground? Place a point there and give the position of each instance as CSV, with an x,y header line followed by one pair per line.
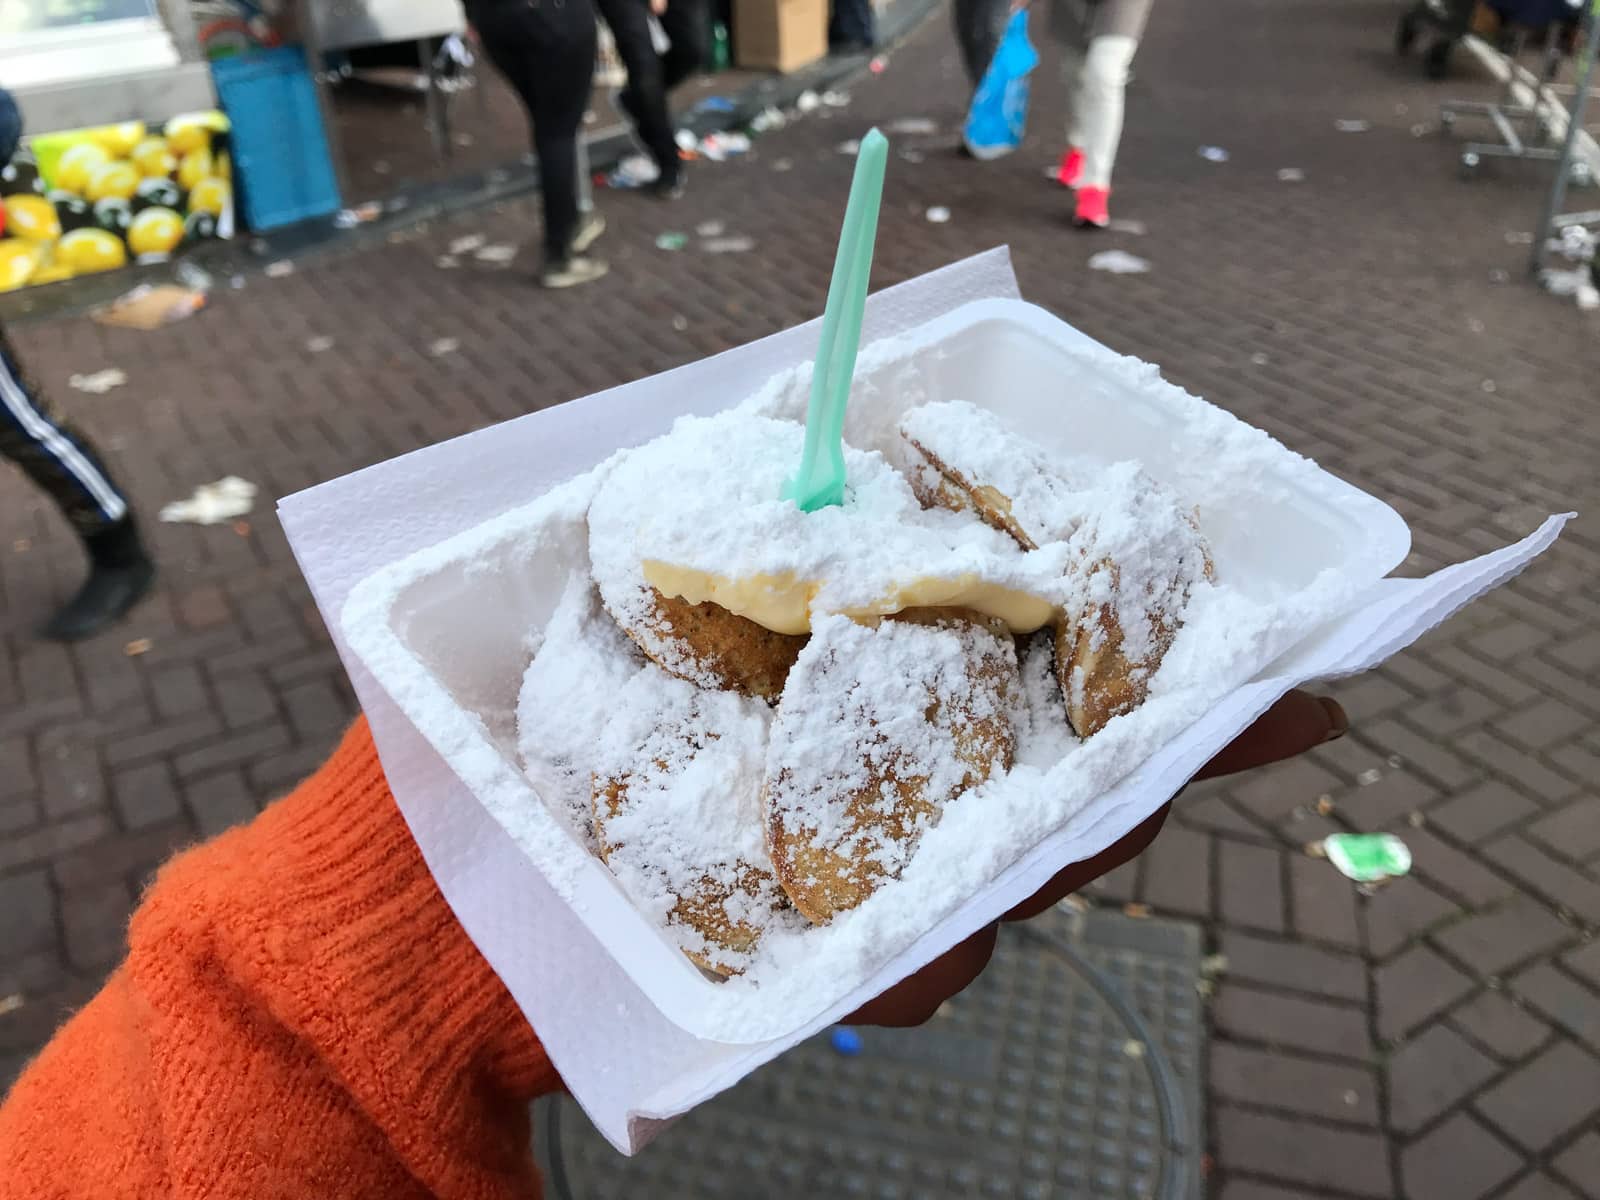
x,y
1367,857
497,254
671,240
1291,175
318,345
938,214
1118,262
1352,125
100,382
1214,154
213,503
467,244
728,245
439,347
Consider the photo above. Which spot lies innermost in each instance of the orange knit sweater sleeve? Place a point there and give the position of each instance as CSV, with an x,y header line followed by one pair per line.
x,y
299,1016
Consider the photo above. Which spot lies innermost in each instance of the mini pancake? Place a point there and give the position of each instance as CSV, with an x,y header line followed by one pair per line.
x,y
878,729
1137,551
677,817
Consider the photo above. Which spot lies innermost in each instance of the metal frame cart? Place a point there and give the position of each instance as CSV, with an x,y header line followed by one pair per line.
x,y
1553,221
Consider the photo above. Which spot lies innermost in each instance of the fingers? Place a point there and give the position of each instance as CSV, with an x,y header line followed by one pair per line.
x,y
918,996
1079,875
1292,726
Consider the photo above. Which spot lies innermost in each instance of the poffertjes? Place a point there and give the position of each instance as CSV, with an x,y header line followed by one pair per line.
x,y
1137,551
677,819
878,729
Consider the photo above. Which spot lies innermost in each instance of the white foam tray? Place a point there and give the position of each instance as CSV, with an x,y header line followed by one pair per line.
x,y
446,631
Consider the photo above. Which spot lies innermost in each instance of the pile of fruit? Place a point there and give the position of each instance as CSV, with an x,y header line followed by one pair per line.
x,y
95,199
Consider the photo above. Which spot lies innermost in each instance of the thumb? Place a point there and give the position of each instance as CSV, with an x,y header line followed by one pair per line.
x,y
1293,725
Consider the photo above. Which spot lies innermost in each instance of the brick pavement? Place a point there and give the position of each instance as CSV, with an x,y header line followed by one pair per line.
x,y
1436,1038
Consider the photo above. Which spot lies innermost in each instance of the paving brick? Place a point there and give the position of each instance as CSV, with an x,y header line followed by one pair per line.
x,y
221,801
1399,911
1432,1073
1452,710
1497,940
1278,1019
317,708
246,700
1494,1021
1546,876
1250,885
1523,770
1177,872
195,729
1348,1160
1386,802
52,840
1277,1080
146,795
234,749
1297,967
1553,1094
1459,1160
1537,1186
1272,794
1455,873
1579,1163
1581,653
1544,724
179,690
1571,833
1585,962
1511,641
1246,1189
94,923
203,607
1558,996
1414,987
1481,811
1444,768
27,913
1323,902
118,857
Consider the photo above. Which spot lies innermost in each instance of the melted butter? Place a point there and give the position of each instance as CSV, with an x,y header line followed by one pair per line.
x,y
782,603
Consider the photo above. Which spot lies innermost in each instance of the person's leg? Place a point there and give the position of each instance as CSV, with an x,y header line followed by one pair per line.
x,y
64,465
688,26
1096,126
979,24
546,52
644,100
852,25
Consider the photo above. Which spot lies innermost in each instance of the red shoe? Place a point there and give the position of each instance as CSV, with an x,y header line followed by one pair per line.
x,y
1093,210
1071,167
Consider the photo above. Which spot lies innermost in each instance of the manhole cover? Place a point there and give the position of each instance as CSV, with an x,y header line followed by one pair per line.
x,y
1029,1084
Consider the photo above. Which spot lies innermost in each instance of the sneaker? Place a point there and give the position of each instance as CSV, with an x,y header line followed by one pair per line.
x,y
669,188
1071,169
1093,211
590,227
105,597
572,272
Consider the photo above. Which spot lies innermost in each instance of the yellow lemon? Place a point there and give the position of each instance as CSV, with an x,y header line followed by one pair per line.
x,y
209,196
196,165
192,131
50,270
88,250
155,231
117,140
77,163
115,179
32,217
154,158
17,261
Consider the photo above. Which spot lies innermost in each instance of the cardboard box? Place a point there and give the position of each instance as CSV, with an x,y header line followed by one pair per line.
x,y
779,35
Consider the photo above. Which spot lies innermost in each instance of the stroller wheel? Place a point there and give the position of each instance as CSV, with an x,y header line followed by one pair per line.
x,y
1436,62
1405,33
1469,164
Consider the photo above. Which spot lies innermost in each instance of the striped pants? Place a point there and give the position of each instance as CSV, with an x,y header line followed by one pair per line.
x,y
54,455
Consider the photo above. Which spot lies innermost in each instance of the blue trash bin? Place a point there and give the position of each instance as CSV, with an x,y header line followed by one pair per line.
x,y
282,169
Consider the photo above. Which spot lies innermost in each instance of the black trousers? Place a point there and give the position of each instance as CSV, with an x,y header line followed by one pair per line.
x,y
546,49
979,24
54,455
650,75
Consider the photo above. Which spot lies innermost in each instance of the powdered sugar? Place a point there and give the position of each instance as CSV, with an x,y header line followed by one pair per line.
x,y
707,498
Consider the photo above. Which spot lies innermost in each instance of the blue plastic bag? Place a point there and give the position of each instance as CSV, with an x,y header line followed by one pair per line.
x,y
999,112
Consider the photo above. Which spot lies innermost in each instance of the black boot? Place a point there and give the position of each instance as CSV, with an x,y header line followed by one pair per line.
x,y
120,573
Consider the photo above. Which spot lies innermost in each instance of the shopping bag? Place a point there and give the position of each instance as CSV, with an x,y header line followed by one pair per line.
x,y
999,112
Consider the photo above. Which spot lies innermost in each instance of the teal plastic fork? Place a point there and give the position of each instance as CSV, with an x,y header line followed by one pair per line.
x,y
820,481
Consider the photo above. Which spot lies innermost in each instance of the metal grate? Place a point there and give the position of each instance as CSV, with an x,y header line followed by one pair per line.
x,y
1035,1082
